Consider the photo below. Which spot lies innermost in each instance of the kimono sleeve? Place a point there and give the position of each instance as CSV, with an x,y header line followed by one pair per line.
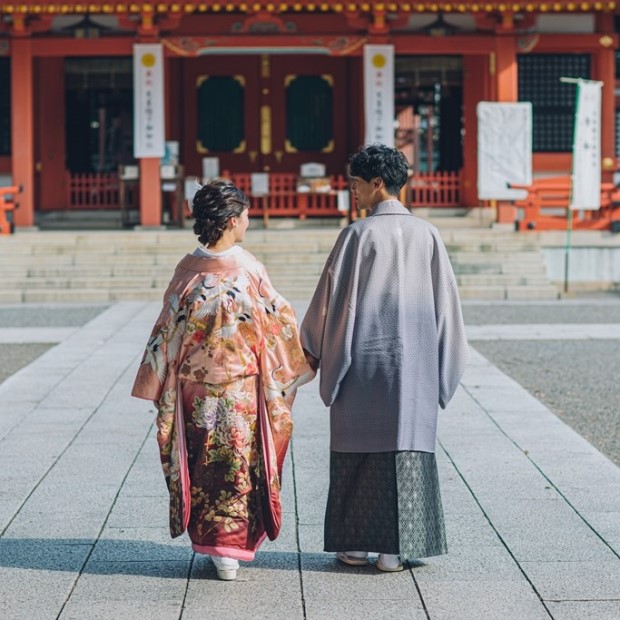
x,y
162,347
283,363
453,349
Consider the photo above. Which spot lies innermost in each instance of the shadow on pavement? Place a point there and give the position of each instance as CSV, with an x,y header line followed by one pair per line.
x,y
144,558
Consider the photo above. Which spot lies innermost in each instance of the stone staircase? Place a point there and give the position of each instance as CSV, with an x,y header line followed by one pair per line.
x,y
96,266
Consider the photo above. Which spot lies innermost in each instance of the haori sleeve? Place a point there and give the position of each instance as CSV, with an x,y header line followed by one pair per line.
x,y
328,327
452,341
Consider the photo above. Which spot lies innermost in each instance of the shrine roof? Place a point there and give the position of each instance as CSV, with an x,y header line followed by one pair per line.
x,y
166,7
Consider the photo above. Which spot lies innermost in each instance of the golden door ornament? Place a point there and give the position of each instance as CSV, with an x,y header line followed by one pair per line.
x,y
265,129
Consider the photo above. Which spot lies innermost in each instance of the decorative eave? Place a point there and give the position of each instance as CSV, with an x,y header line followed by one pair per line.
x,y
28,8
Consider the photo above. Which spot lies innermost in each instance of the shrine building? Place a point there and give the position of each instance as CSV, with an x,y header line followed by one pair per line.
x,y
266,87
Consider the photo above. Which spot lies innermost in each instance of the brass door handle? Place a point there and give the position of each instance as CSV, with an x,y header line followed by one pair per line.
x,y
253,155
279,155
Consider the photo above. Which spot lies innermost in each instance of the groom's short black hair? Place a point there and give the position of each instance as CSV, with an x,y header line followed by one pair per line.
x,y
378,160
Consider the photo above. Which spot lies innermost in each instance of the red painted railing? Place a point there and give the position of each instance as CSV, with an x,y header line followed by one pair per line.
x,y
284,200
92,190
435,189
546,207
98,190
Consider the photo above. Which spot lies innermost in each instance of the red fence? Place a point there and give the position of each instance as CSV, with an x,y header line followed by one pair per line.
x,y
284,200
435,189
92,190
546,207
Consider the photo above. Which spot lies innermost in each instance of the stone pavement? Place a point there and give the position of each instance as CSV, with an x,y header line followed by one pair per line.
x,y
532,509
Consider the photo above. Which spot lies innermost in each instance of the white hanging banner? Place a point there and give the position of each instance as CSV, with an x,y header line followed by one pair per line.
x,y
504,149
379,94
148,115
586,177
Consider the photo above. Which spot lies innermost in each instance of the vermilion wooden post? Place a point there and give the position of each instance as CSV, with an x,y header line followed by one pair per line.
x,y
506,68
150,192
605,71
475,69
22,128
506,85
51,178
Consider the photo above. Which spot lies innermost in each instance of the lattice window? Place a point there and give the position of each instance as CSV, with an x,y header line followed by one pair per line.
x,y
553,102
221,102
5,106
309,106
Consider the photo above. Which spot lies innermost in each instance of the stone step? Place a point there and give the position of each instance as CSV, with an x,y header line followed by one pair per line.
x,y
485,257
123,265
135,282
121,294
511,292
501,280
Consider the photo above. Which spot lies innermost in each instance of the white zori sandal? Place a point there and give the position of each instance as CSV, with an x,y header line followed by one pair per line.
x,y
353,558
226,567
389,563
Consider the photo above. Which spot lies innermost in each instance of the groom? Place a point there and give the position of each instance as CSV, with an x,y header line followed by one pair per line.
x,y
386,328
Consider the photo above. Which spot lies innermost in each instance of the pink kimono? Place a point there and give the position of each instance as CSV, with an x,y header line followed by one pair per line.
x,y
222,365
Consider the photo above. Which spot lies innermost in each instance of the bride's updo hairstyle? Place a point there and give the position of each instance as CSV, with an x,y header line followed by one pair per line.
x,y
213,205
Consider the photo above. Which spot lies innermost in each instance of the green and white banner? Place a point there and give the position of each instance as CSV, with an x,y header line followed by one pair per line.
x,y
586,176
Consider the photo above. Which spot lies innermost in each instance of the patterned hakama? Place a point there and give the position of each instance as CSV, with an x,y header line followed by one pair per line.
x,y
385,502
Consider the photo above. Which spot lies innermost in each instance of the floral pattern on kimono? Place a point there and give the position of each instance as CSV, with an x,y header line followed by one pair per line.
x,y
222,365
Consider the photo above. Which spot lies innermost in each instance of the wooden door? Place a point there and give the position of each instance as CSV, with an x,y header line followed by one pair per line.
x,y
265,113
307,98
221,115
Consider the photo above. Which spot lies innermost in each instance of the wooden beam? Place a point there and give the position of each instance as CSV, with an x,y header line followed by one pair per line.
x,y
67,46
458,44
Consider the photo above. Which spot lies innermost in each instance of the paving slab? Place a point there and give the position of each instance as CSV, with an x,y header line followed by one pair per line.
x,y
531,508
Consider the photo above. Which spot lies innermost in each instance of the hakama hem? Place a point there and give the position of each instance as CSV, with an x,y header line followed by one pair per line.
x,y
385,502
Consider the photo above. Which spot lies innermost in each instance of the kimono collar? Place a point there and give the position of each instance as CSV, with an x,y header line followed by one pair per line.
x,y
202,264
389,207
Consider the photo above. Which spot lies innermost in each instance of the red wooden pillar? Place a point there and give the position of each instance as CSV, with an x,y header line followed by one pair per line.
x,y
475,82
150,178
22,128
506,68
51,178
506,88
150,192
605,71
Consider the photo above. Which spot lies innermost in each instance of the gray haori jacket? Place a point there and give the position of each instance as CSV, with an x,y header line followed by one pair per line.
x,y
386,323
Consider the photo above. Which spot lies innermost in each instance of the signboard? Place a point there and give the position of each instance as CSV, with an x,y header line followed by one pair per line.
x,y
210,168
312,169
260,183
586,177
148,76
504,150
379,94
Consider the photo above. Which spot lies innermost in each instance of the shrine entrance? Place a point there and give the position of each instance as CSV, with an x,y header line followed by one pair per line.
x,y
265,113
428,103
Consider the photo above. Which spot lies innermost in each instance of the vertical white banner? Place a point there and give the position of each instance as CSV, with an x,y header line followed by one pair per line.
x,y
379,94
504,149
586,177
148,110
